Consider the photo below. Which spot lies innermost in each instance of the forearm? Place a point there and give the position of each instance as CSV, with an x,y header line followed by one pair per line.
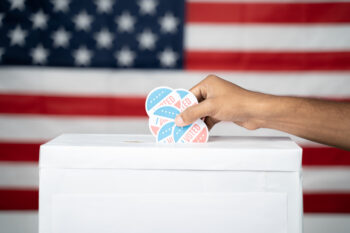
x,y
322,121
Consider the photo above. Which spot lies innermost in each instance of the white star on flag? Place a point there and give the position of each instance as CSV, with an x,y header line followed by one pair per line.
x,y
168,58
17,4
168,23
82,21
147,39
17,36
147,7
125,57
104,6
39,55
39,20
125,22
104,38
82,56
61,38
60,5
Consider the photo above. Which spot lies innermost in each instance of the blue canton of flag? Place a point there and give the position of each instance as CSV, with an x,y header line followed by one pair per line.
x,y
100,33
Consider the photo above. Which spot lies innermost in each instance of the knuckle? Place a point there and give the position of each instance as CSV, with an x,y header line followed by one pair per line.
x,y
210,106
211,77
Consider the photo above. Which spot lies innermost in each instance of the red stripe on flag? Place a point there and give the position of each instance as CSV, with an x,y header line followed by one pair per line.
x,y
11,199
21,152
267,61
313,203
198,12
72,105
325,156
80,106
327,203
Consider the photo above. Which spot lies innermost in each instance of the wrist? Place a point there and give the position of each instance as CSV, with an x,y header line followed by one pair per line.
x,y
276,111
262,109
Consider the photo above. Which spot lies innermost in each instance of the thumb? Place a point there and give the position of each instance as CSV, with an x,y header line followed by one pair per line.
x,y
194,112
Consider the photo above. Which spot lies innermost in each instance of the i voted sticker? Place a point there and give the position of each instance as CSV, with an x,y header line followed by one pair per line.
x,y
197,132
162,96
163,104
187,98
161,116
165,133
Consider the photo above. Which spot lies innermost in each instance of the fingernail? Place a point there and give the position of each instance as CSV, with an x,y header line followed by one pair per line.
x,y
179,121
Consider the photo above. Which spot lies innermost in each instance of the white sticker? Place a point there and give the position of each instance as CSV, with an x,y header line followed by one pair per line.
x,y
160,117
165,133
196,132
187,98
163,104
162,96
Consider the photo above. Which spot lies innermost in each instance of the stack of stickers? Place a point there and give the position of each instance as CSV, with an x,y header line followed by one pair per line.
x,y
163,104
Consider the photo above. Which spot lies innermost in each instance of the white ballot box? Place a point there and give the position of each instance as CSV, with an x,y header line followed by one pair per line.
x,y
130,184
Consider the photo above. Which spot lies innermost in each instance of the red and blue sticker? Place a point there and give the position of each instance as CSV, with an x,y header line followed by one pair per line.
x,y
163,104
162,96
161,116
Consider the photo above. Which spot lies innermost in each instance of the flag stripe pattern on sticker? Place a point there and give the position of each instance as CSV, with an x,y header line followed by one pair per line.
x,y
162,113
161,116
187,98
195,132
165,133
290,47
162,96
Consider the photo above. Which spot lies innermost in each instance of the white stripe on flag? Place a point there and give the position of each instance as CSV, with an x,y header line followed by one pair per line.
x,y
85,82
41,128
19,221
33,128
19,175
326,223
326,179
214,37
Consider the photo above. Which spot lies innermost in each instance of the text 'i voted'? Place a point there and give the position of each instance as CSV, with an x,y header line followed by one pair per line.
x,y
163,104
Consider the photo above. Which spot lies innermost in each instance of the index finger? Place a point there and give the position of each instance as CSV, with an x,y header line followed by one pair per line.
x,y
199,91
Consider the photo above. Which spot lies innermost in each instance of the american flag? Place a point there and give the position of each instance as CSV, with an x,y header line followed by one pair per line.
x,y
86,66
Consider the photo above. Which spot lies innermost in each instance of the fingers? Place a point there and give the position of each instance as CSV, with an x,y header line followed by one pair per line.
x,y
210,122
201,110
200,90
191,114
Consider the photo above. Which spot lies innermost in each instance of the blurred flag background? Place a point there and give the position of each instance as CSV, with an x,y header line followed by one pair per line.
x,y
86,67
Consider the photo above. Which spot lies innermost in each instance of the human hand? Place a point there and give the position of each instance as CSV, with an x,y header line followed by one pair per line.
x,y
220,100
317,120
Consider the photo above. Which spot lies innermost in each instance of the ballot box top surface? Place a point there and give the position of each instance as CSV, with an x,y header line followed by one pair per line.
x,y
84,151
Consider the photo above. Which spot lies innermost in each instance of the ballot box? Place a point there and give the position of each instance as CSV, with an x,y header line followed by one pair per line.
x,y
130,184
